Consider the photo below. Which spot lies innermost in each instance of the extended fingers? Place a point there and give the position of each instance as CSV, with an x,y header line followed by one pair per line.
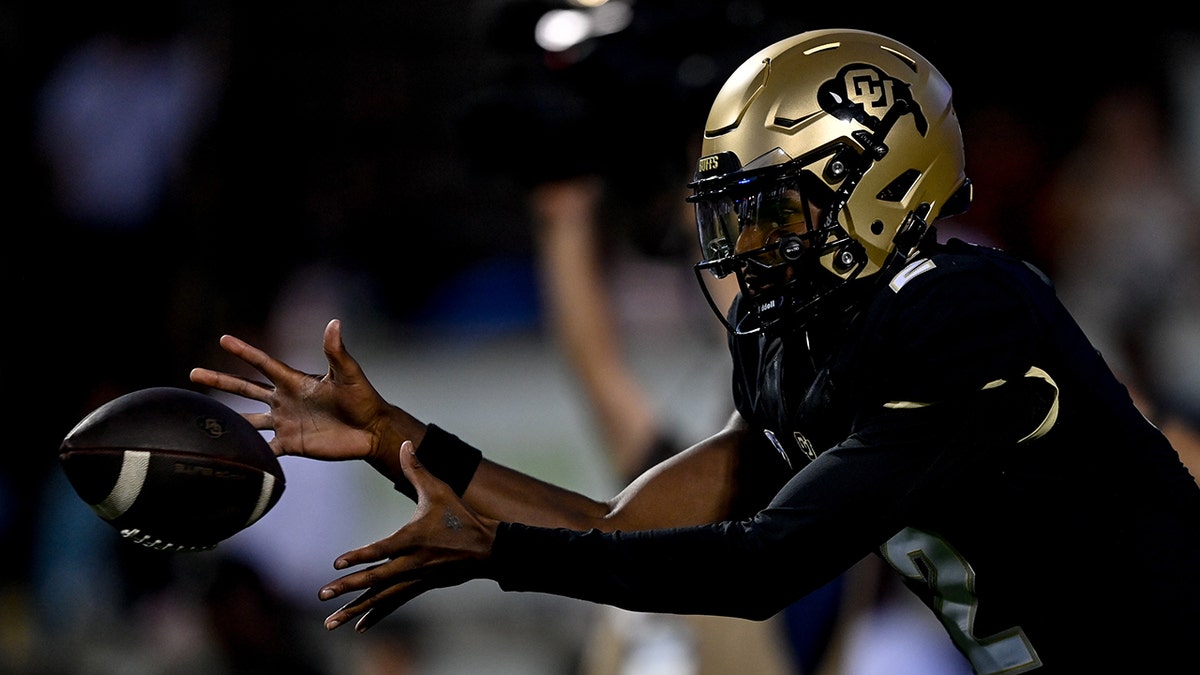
x,y
274,369
355,581
278,373
355,607
232,384
382,552
383,587
374,604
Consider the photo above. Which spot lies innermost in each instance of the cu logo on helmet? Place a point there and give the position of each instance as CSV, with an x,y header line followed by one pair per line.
x,y
865,87
869,96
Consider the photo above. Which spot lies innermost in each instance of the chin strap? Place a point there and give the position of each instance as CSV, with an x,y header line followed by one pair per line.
x,y
912,233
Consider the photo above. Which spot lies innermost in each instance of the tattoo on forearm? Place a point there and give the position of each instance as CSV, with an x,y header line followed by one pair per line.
x,y
452,522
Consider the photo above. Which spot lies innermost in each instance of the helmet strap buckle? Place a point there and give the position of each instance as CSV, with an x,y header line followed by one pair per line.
x,y
912,232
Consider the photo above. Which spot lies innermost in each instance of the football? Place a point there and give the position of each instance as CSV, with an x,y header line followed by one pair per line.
x,y
172,469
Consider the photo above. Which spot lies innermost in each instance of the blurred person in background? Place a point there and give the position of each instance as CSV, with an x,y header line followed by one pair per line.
x,y
1124,237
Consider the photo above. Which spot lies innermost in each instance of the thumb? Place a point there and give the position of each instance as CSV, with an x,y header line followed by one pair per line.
x,y
413,470
331,340
334,347
342,366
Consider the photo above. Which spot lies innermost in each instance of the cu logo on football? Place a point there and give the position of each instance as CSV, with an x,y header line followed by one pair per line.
x,y
211,426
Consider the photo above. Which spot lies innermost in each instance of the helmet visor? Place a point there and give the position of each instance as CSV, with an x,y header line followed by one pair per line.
x,y
765,220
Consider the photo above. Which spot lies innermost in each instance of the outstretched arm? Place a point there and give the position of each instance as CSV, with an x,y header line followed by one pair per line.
x,y
341,416
447,542
696,486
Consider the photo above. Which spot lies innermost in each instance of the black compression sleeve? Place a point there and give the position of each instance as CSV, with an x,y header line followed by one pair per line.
x,y
446,456
699,570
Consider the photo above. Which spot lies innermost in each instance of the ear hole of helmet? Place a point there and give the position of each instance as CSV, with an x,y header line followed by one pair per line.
x,y
900,185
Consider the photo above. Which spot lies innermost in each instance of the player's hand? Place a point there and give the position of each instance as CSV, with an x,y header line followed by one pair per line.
x,y
444,544
335,416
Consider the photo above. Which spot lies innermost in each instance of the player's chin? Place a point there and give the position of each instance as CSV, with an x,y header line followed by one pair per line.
x,y
755,283
761,287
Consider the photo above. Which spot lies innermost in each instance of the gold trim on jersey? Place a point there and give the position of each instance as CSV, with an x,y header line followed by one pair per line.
x,y
1042,428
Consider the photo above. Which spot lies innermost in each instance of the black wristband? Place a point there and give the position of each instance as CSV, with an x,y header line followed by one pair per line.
x,y
446,456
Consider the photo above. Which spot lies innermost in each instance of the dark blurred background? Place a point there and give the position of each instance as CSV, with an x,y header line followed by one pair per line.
x,y
174,168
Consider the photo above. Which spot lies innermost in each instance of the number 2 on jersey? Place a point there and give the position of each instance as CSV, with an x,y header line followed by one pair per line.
x,y
925,558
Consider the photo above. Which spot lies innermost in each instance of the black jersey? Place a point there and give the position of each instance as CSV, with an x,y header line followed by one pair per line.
x,y
961,427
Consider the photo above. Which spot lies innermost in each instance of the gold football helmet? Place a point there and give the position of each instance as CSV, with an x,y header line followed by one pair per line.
x,y
824,158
